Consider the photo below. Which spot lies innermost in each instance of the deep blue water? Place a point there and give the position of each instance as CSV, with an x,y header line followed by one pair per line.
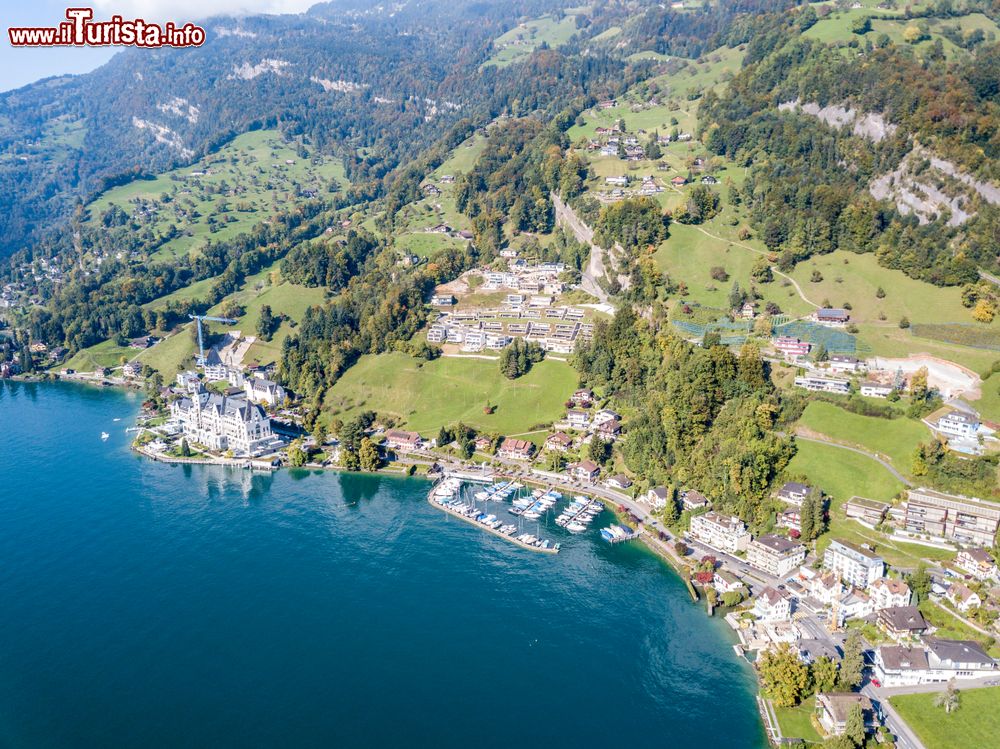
x,y
144,605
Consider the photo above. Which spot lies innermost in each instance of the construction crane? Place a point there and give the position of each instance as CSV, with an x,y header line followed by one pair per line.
x,y
201,344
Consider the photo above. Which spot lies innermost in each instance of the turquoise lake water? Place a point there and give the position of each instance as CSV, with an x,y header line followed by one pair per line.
x,y
145,605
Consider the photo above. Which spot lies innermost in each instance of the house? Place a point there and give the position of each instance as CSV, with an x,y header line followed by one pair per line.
x,y
604,416
679,181
775,555
874,389
723,532
585,470
584,397
791,519
844,363
854,604
793,492
403,441
657,497
963,598
189,382
832,317
577,419
773,605
957,424
792,349
708,179
855,564
143,342
442,300
978,563
616,181
834,708
965,520
868,511
224,423
694,500
515,449
260,390
818,384
559,442
889,593
935,661
618,481
607,104
826,588
609,430
726,582
900,622
430,189
132,369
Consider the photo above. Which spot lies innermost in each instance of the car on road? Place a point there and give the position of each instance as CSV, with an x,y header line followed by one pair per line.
x,y
876,683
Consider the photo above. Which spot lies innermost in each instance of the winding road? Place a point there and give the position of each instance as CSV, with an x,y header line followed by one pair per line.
x,y
583,233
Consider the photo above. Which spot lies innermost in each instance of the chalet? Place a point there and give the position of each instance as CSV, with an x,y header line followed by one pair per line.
x,y
773,605
584,397
888,593
260,390
657,497
618,481
679,181
142,342
874,389
963,598
683,137
616,181
609,430
745,312
791,519
978,563
440,229
793,492
508,253
132,369
708,179
398,439
855,564
833,317
447,179
844,363
834,708
442,300
604,416
585,470
901,622
868,511
817,384
775,555
515,449
559,442
465,234
430,189
722,532
607,104
694,500
792,348
482,444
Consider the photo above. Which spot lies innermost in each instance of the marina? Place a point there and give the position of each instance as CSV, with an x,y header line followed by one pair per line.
x,y
535,504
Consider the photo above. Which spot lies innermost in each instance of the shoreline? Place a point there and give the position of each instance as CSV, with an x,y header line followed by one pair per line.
x,y
498,534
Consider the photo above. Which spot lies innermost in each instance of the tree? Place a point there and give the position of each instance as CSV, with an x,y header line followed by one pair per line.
x,y
806,517
854,661
761,271
824,674
185,448
984,311
445,437
784,676
368,457
918,384
297,457
950,699
861,25
599,450
880,293
854,726
920,582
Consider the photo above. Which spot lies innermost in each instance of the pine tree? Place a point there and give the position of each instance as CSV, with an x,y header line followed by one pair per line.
x,y
854,661
806,518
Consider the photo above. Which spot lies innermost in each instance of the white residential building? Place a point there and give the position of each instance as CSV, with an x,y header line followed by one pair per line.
x,y
873,389
723,532
773,605
259,390
936,661
857,566
775,555
887,593
819,384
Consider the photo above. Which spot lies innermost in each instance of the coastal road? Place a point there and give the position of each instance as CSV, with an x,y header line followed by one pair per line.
x,y
905,737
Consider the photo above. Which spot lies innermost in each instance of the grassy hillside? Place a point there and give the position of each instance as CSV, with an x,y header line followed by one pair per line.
x,y
969,727
892,439
523,39
227,192
427,395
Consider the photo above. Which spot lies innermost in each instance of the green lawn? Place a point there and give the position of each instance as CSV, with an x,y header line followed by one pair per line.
x,y
427,395
894,439
952,628
975,725
796,722
518,43
462,157
104,354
